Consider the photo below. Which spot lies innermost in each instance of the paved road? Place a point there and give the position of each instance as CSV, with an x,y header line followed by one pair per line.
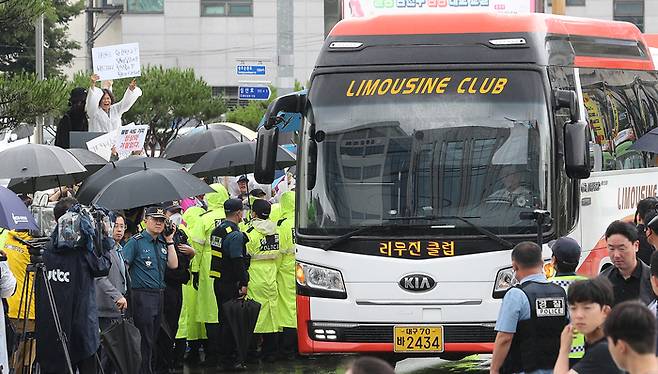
x,y
336,365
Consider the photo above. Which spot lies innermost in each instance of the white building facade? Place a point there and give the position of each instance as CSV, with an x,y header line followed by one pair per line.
x,y
212,37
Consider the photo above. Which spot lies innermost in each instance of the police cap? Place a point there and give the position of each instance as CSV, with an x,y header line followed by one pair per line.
x,y
156,212
171,206
257,193
262,208
566,250
232,205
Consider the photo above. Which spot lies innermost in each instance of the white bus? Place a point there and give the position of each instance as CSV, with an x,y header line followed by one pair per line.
x,y
431,144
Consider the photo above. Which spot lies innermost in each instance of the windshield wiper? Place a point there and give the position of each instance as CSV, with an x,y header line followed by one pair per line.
x,y
477,228
340,239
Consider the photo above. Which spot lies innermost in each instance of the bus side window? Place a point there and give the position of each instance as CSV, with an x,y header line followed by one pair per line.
x,y
647,91
595,107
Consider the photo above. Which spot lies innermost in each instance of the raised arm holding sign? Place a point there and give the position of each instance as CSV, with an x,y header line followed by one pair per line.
x,y
104,114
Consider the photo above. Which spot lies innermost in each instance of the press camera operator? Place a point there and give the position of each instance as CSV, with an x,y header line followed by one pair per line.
x,y
168,356
75,256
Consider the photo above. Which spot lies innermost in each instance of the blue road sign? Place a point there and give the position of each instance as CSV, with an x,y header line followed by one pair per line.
x,y
250,69
254,93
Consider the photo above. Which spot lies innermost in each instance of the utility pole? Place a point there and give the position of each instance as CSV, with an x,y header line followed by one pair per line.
x,y
285,46
90,34
38,44
559,7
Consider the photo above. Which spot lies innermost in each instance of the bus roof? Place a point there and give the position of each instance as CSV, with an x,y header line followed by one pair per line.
x,y
462,23
481,38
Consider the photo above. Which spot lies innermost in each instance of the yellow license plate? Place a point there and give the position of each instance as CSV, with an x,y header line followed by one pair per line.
x,y
418,339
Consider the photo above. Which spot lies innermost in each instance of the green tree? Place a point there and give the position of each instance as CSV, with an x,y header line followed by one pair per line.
x,y
23,98
17,41
172,98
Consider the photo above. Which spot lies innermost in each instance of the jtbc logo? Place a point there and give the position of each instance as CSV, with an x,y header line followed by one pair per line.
x,y
417,282
58,276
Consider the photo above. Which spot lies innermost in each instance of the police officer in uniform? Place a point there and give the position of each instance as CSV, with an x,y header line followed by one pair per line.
x,y
148,254
565,259
285,277
263,247
531,318
229,265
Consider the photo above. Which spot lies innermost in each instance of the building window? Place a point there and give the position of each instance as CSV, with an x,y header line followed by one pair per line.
x,y
145,6
227,8
571,2
630,11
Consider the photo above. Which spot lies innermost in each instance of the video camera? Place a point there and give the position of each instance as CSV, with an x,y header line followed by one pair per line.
x,y
169,227
35,248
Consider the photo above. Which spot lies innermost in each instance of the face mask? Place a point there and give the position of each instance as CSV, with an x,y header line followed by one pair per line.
x,y
177,218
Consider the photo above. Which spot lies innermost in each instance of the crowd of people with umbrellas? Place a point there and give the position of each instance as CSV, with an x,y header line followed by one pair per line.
x,y
132,258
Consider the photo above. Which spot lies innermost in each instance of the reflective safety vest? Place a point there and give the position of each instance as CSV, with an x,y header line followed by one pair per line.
x,y
286,230
578,342
262,247
216,249
536,342
218,234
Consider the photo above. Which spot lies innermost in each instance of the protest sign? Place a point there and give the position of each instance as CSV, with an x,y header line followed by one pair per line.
x,y
130,138
102,145
117,61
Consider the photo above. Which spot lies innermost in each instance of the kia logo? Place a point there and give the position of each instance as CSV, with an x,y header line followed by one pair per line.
x,y
417,282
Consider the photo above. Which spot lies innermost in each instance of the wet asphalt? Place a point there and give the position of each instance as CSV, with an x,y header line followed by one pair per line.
x,y
337,364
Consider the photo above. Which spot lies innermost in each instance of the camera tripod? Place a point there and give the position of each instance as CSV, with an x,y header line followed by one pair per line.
x,y
37,268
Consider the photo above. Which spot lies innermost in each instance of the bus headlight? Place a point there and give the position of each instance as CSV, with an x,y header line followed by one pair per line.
x,y
504,280
313,280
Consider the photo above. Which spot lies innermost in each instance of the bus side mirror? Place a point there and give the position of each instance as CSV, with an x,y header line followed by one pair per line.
x,y
290,103
576,150
267,144
567,99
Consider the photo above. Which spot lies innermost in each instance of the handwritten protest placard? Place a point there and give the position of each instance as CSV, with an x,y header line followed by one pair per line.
x,y
102,145
130,138
117,61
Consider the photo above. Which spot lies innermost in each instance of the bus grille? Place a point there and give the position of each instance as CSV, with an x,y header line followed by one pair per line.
x,y
384,334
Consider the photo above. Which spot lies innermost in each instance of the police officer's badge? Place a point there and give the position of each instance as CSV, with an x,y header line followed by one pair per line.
x,y
550,307
148,263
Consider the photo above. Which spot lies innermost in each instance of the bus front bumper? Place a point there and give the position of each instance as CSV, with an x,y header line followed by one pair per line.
x,y
348,337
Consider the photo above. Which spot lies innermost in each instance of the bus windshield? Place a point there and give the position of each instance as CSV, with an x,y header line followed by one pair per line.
x,y
433,145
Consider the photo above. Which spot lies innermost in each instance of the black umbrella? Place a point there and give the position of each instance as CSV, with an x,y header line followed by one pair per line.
x,y
91,161
115,170
236,159
648,142
122,342
151,186
14,215
241,316
38,167
190,147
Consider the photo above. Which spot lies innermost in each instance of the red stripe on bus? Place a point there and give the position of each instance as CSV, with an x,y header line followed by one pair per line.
x,y
612,63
